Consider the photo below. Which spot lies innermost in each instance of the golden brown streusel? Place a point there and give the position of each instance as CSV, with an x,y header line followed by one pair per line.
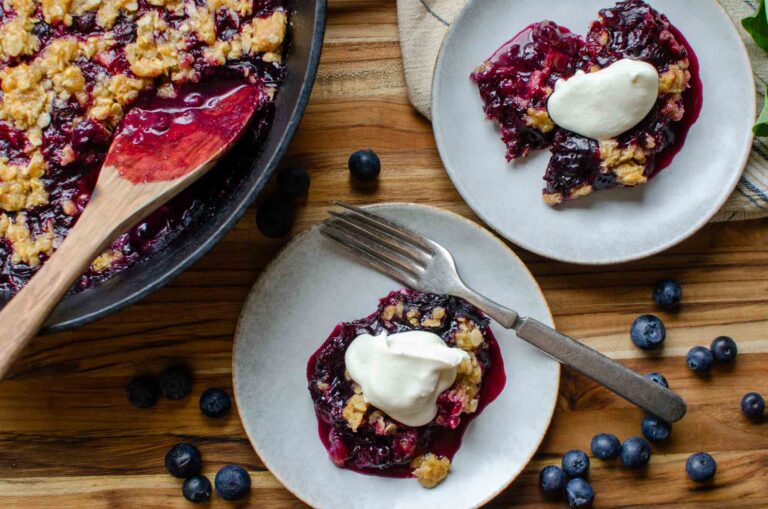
x,y
354,411
469,336
430,469
539,119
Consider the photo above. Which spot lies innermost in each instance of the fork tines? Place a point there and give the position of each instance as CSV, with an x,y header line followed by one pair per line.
x,y
389,247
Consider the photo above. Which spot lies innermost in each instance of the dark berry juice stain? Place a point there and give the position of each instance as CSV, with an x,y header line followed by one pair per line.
x,y
366,451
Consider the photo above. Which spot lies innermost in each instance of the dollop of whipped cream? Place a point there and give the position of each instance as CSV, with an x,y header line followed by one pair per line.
x,y
403,374
605,103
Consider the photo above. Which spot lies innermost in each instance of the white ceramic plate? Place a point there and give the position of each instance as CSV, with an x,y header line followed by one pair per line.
x,y
609,226
312,285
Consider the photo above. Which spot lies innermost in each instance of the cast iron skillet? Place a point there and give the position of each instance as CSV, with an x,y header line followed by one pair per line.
x,y
225,193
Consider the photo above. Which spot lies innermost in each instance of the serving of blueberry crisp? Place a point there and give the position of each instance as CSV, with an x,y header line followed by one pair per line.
x,y
395,391
613,107
70,70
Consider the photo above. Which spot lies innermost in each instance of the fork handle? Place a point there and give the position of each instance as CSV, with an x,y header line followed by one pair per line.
x,y
628,384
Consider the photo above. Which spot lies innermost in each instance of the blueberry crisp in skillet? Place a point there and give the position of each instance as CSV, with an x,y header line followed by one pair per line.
x,y
69,72
613,107
395,391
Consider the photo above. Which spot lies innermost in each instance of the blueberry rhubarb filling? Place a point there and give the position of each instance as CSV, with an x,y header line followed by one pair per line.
x,y
518,83
70,72
442,338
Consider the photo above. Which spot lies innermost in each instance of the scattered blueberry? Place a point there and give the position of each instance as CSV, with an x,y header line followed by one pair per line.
x,y
143,391
365,165
635,452
606,446
658,378
275,217
724,349
232,482
197,489
293,182
176,382
700,467
647,332
552,480
215,403
580,494
576,463
699,359
183,460
753,405
667,294
654,429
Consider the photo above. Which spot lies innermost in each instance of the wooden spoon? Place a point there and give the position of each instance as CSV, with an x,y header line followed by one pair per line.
x,y
160,149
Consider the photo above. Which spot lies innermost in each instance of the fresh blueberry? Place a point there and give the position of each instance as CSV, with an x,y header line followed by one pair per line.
x,y
700,467
215,403
232,482
699,359
579,493
635,452
552,480
606,446
667,294
654,429
576,463
658,378
275,217
143,391
724,349
648,332
293,182
753,405
183,460
197,489
176,382
365,165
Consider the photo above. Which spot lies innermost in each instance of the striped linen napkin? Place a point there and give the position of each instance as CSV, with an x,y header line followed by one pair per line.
x,y
424,23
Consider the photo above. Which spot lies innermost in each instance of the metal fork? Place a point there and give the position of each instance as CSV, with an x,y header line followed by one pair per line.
x,y
424,265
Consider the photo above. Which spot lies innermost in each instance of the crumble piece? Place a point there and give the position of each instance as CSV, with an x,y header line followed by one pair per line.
x,y
675,80
355,410
380,424
430,469
413,316
539,118
435,318
627,163
392,311
468,337
105,260
20,186
26,248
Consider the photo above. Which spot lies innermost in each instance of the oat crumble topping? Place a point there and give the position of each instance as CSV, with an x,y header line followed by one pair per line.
x,y
69,70
430,469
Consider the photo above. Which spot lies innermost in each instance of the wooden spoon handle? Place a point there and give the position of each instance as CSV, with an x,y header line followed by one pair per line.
x,y
24,314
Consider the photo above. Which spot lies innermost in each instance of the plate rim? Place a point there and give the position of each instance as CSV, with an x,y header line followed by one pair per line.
x,y
693,228
252,295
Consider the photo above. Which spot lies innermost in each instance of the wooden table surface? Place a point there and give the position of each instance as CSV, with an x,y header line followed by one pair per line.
x,y
70,439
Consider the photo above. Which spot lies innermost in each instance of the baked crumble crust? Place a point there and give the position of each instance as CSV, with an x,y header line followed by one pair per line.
x,y
431,469
69,65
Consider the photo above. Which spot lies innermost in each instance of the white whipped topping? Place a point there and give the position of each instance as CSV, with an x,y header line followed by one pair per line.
x,y
605,103
403,374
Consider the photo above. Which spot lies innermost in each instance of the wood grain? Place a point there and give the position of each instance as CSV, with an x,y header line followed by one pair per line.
x,y
69,438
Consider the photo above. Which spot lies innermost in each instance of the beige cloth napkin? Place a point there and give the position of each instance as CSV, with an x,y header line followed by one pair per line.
x,y
424,23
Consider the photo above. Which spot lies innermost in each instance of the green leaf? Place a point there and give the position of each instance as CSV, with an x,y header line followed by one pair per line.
x,y
761,127
757,26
